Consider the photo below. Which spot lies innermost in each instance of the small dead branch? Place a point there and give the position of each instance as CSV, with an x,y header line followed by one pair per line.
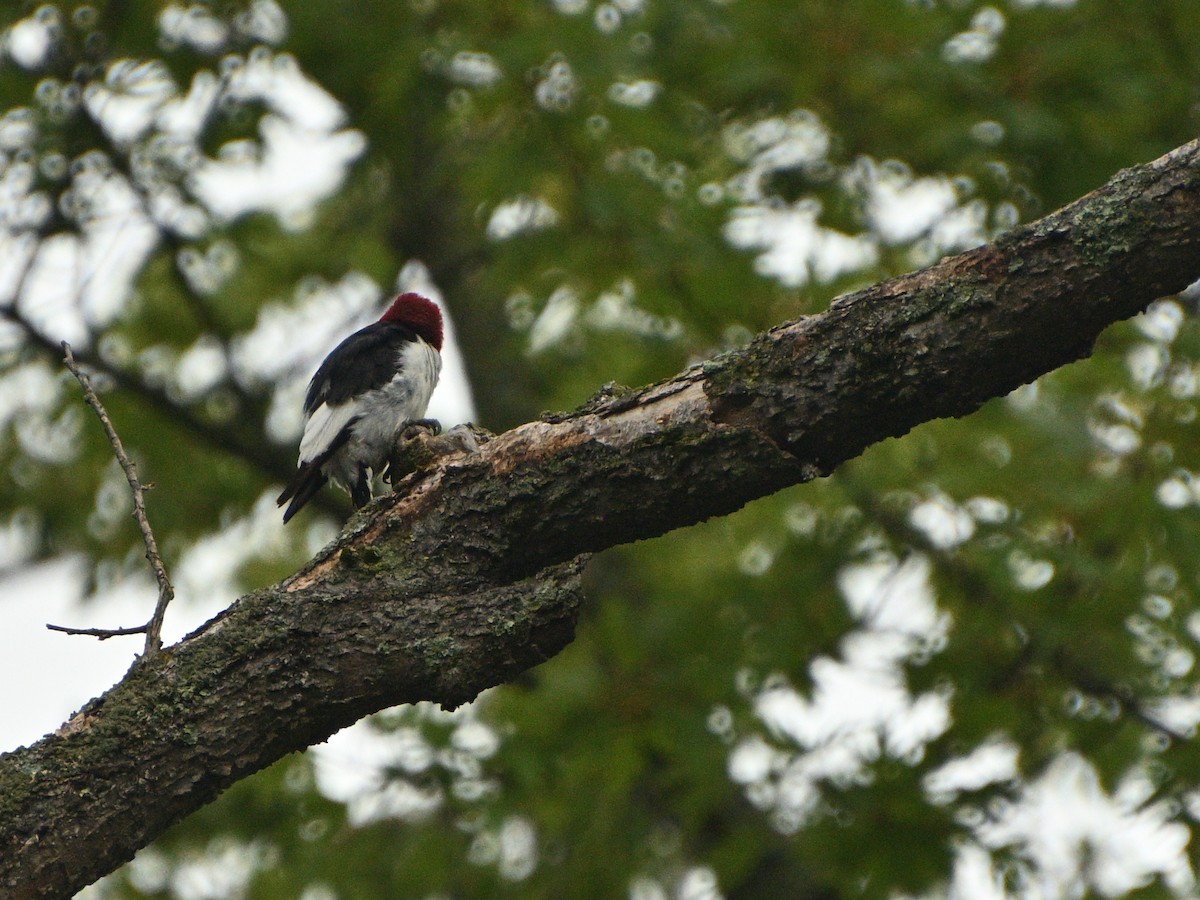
x,y
102,634
153,628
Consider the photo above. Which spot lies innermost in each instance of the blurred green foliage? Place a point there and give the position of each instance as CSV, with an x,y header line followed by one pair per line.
x,y
1053,534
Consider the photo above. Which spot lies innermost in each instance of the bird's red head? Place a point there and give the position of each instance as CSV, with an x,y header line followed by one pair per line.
x,y
418,313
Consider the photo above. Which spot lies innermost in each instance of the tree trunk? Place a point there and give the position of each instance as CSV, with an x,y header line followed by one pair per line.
x,y
469,574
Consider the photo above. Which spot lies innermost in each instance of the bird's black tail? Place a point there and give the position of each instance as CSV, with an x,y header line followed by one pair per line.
x,y
309,478
303,487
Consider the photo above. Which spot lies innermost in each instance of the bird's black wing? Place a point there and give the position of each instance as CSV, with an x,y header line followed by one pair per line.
x,y
362,362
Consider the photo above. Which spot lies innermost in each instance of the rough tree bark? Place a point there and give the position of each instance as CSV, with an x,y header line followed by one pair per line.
x,y
468,575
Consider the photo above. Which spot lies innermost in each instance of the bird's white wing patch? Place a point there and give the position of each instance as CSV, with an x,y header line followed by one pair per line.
x,y
323,426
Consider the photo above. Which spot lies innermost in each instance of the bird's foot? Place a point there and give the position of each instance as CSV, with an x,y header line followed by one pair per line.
x,y
419,444
420,426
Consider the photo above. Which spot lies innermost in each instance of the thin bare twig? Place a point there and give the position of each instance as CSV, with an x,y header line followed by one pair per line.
x,y
102,634
153,628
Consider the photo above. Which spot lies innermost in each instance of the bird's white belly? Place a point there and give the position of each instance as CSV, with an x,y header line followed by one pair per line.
x,y
381,414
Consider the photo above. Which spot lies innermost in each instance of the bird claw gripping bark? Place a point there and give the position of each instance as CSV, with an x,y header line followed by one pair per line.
x,y
421,426
419,445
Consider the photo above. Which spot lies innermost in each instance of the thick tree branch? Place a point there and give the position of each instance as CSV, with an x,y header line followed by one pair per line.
x,y
468,575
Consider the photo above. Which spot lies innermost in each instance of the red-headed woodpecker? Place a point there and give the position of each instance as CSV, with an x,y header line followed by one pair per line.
x,y
373,384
